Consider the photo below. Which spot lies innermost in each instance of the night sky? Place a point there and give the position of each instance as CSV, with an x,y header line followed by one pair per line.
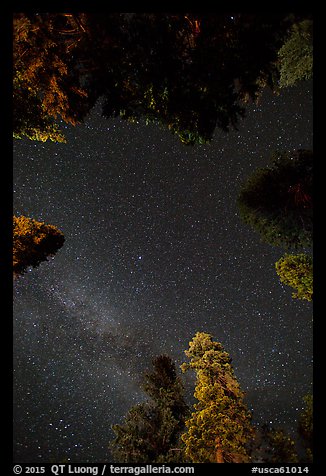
x,y
155,251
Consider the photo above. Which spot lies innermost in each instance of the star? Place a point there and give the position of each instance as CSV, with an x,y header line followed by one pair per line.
x,y
86,326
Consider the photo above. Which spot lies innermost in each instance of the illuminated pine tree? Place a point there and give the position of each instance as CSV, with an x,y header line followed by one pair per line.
x,y
220,427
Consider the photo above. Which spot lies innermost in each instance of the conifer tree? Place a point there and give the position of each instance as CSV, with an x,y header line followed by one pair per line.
x,y
151,430
275,445
277,200
305,427
220,427
278,446
46,79
188,72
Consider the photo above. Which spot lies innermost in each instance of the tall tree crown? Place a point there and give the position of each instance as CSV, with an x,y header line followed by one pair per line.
x,y
220,427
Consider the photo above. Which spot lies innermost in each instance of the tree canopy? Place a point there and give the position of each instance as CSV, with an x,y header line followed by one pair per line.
x,y
46,82
296,55
275,445
151,430
297,271
187,71
305,427
219,429
33,242
277,200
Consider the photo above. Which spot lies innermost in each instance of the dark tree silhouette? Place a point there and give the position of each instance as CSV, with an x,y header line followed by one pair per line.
x,y
274,445
151,430
305,427
187,71
277,201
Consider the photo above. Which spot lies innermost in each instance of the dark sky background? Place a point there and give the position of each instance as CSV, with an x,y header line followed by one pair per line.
x,y
155,251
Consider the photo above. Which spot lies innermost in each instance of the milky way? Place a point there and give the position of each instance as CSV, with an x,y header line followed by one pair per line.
x,y
155,251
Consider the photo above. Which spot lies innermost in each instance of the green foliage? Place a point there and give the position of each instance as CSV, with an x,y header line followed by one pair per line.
x,y
33,242
151,430
277,200
297,271
220,427
296,55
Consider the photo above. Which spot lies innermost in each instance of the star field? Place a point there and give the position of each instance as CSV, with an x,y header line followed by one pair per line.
x,y
155,251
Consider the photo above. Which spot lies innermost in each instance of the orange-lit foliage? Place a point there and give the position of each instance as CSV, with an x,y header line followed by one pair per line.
x,y
44,81
33,242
